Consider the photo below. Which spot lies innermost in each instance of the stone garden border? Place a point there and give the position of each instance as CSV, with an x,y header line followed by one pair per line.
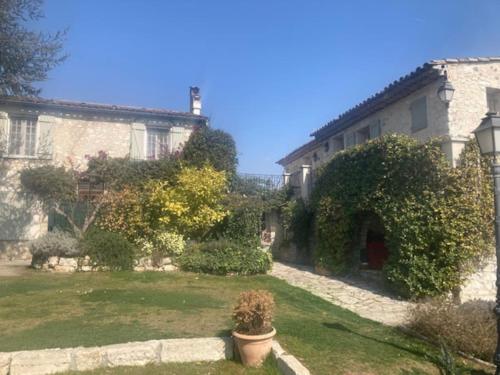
x,y
51,361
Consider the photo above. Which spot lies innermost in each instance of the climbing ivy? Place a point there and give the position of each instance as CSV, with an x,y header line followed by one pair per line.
x,y
437,219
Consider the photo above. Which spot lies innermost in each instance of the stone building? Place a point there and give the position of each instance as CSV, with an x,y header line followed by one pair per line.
x,y
410,105
38,131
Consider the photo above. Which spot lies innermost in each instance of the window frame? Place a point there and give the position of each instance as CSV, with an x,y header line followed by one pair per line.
x,y
25,121
155,130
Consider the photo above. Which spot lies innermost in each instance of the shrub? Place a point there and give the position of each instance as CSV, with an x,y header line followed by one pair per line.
x,y
224,257
162,244
437,218
118,173
192,205
49,184
470,327
123,212
211,146
108,250
56,243
244,220
253,313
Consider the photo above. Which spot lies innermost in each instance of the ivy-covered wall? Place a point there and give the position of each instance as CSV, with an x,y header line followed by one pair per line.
x,y
437,219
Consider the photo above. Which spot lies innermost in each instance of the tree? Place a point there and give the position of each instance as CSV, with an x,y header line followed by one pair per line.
x,y
191,206
25,56
212,146
56,188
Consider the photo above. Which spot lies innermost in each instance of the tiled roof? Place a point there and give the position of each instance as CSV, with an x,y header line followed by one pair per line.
x,y
398,89
96,107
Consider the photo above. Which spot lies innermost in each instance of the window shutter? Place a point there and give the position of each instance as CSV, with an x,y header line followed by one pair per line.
x,y
137,136
419,114
179,137
375,130
45,138
350,139
4,133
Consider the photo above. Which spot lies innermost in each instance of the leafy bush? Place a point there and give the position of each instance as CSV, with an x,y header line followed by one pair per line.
x,y
297,222
470,327
56,243
253,313
191,206
211,146
123,212
244,220
162,244
108,250
118,173
224,257
437,218
49,184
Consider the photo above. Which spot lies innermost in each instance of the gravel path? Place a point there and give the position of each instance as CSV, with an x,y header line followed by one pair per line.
x,y
358,296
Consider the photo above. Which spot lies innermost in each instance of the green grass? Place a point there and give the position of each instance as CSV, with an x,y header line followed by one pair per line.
x,y
199,368
42,310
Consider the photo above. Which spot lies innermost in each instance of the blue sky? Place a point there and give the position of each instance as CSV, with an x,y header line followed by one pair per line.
x,y
270,71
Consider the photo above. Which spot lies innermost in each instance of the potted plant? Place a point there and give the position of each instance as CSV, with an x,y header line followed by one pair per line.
x,y
253,333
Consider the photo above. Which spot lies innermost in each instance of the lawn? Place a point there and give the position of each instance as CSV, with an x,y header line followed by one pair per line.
x,y
42,310
199,368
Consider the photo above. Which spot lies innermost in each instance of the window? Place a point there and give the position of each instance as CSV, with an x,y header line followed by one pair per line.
x,y
375,129
362,135
158,143
22,136
418,109
326,147
338,143
493,98
349,140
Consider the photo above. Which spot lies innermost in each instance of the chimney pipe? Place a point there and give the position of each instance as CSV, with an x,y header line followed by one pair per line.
x,y
194,100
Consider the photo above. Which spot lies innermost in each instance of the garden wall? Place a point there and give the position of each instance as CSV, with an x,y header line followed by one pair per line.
x,y
481,284
62,264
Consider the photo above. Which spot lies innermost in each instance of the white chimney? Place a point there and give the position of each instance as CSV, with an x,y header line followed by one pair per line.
x,y
195,100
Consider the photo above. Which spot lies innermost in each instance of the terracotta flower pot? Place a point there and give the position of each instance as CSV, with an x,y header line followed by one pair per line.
x,y
254,349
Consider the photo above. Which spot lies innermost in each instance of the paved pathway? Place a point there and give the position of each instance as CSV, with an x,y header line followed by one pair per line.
x,y
13,267
358,296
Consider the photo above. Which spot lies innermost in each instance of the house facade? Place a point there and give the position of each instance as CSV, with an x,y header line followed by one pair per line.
x,y
36,131
410,105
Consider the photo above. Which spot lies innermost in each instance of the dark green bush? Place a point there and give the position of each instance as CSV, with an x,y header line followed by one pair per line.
x,y
224,257
108,250
49,184
244,221
212,146
117,173
437,218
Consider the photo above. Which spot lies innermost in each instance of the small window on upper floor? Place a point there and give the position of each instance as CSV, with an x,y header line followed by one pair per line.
x,y
418,109
22,136
326,147
349,139
338,143
493,98
375,129
362,135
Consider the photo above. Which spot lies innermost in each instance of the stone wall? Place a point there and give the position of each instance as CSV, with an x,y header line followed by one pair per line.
x,y
63,264
482,283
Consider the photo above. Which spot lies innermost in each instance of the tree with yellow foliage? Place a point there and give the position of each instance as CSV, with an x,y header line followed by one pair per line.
x,y
192,205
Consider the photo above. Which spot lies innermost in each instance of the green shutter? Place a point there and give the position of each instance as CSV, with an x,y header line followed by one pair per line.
x,y
137,136
45,139
375,130
418,110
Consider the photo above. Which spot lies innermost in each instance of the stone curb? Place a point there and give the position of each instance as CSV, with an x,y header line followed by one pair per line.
x,y
51,361
287,363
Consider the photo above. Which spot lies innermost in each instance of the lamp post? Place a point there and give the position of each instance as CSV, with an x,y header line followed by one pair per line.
x,y
488,138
